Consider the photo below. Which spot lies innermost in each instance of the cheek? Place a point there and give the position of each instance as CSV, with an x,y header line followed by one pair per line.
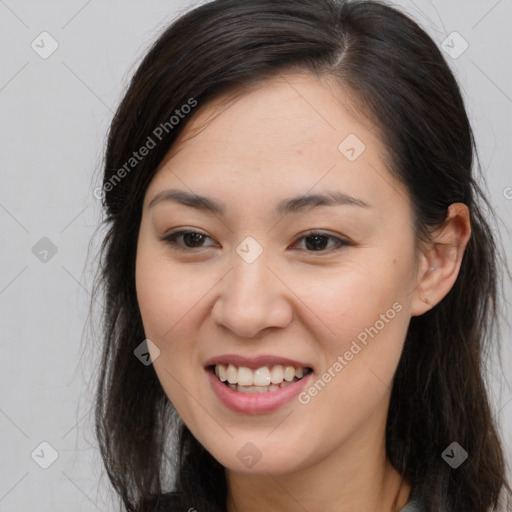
x,y
369,313
155,297
166,301
347,301
166,292
359,364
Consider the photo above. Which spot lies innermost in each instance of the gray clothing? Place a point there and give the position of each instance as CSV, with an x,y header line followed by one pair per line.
x,y
171,503
411,506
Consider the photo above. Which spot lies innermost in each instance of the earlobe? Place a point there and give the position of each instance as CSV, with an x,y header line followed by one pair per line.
x,y
441,259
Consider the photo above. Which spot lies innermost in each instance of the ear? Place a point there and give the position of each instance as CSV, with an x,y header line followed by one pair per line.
x,y
440,259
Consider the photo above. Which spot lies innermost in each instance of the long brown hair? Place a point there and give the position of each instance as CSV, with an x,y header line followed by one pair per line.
x,y
400,80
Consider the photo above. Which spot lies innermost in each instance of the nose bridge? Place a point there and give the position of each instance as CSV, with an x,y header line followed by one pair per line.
x,y
249,282
251,298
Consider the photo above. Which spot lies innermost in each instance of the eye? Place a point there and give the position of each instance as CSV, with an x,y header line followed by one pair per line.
x,y
318,242
314,241
186,239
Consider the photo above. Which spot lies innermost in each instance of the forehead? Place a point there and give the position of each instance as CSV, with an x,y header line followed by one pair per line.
x,y
294,130
287,113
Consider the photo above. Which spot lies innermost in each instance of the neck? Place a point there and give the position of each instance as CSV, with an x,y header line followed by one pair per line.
x,y
356,477
381,491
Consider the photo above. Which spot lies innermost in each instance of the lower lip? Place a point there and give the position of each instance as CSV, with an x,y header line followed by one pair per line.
x,y
256,403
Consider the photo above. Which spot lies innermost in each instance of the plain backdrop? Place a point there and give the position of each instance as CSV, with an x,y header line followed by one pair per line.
x,y
55,111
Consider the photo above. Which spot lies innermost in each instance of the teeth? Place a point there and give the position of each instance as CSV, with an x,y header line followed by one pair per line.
x,y
232,374
263,377
259,389
245,377
220,371
276,374
289,373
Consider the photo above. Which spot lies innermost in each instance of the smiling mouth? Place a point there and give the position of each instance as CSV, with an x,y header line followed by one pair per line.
x,y
263,380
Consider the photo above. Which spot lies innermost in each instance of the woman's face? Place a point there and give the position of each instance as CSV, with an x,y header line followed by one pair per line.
x,y
303,256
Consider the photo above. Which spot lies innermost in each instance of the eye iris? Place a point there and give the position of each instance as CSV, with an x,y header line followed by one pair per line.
x,y
319,242
194,238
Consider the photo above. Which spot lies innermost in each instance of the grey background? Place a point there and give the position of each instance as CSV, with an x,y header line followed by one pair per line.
x,y
55,113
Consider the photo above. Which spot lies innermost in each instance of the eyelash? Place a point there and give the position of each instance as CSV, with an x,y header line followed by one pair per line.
x,y
171,238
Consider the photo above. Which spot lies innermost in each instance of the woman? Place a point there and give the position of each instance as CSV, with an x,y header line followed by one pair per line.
x,y
297,244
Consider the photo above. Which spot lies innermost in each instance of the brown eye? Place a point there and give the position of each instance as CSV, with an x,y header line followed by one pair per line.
x,y
319,242
184,240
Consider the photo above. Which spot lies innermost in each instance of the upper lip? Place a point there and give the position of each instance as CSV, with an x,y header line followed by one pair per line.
x,y
255,362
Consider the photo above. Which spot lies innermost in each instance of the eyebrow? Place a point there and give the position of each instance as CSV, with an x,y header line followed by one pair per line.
x,y
289,205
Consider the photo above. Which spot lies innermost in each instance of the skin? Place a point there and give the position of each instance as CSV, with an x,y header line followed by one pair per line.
x,y
276,141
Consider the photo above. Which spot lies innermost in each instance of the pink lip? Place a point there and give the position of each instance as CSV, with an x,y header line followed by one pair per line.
x,y
256,403
254,362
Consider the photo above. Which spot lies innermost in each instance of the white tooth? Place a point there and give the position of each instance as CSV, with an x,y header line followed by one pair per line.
x,y
244,376
261,380
285,383
252,389
276,374
220,371
231,374
262,376
232,386
246,389
289,373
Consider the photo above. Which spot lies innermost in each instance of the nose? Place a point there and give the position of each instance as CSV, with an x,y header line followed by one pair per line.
x,y
252,298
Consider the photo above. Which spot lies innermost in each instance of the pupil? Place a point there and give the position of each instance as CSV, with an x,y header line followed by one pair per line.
x,y
194,238
319,242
